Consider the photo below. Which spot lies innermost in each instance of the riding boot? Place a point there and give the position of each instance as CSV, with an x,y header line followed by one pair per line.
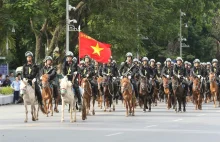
x,y
78,97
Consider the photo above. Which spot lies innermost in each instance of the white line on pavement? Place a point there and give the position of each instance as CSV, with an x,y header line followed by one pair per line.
x,y
200,114
114,134
150,126
177,120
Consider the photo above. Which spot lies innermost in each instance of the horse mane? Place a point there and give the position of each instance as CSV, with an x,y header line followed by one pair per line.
x,y
125,80
45,77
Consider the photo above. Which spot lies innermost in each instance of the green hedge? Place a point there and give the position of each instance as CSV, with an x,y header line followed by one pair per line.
x,y
6,90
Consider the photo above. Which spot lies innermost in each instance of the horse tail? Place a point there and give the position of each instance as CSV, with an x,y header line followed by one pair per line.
x,y
39,99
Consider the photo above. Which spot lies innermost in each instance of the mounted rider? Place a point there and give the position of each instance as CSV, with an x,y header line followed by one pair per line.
x,y
70,69
128,69
30,72
51,71
167,72
215,69
88,71
180,72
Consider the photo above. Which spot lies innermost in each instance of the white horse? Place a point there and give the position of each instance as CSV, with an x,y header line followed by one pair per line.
x,y
29,98
67,96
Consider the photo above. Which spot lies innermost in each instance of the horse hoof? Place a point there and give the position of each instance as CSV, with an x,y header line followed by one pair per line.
x,y
33,119
132,114
104,110
110,110
37,119
62,120
93,113
25,121
113,109
144,111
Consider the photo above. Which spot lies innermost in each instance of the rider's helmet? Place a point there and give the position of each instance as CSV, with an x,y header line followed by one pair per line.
x,y
158,63
129,54
179,59
208,63
168,60
135,60
69,54
186,62
196,61
48,58
144,59
214,61
29,53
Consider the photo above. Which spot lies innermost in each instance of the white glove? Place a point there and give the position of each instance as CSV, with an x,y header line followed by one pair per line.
x,y
114,78
167,76
75,73
199,76
178,76
219,76
129,77
121,77
150,78
41,78
34,80
87,75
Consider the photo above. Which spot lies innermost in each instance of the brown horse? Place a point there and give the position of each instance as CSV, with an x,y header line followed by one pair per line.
x,y
47,94
179,93
197,87
214,87
145,94
128,95
108,93
99,98
87,94
167,91
155,88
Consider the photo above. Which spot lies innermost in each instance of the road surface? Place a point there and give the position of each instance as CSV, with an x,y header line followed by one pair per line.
x,y
160,125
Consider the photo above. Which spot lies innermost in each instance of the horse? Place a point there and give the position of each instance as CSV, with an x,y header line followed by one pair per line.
x,y
108,92
214,89
29,98
87,94
179,93
167,91
128,95
47,94
100,90
197,88
145,94
67,96
155,92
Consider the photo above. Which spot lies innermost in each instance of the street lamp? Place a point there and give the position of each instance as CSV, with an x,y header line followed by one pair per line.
x,y
181,38
68,21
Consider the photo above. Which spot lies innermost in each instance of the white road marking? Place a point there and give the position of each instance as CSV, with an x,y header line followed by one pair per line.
x,y
176,120
200,114
150,126
109,135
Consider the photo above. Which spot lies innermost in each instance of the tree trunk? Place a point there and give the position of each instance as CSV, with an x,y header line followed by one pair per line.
x,y
38,47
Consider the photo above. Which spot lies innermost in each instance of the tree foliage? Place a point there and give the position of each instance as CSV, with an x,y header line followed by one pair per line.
x,y
147,27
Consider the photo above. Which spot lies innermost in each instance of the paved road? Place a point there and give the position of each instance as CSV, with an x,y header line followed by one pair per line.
x,y
160,125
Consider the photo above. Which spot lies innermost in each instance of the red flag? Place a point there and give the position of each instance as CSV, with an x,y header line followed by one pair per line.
x,y
100,52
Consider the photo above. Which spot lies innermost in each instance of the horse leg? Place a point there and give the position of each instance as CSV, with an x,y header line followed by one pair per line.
x,y
38,108
184,103
45,106
126,103
215,99
179,103
93,105
63,105
101,100
71,110
51,106
150,102
32,112
144,99
168,101
26,111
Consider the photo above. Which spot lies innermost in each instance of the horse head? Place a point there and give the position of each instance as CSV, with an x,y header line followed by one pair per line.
x,y
125,83
64,84
23,86
212,77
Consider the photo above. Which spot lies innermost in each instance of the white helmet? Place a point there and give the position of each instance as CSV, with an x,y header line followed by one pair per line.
x,y
129,54
214,61
179,59
69,54
168,60
196,61
144,59
29,53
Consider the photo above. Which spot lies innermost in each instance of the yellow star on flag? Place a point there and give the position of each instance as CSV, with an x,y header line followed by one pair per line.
x,y
97,49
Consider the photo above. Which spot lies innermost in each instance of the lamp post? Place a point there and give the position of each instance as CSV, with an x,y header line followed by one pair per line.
x,y
181,38
68,21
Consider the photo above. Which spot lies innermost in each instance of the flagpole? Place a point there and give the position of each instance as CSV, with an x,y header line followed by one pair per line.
x,y
79,79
